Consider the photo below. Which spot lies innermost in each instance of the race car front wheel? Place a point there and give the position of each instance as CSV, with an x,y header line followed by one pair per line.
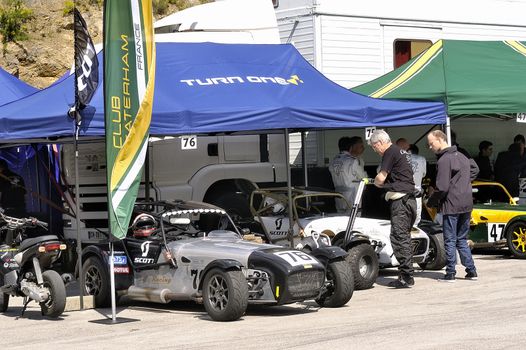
x,y
339,285
364,264
225,294
516,238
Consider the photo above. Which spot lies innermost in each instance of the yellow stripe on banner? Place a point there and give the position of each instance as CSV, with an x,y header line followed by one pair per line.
x,y
138,131
148,26
411,71
517,46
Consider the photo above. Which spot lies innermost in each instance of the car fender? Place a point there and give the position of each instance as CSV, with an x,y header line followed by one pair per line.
x,y
328,254
122,281
223,264
515,219
356,238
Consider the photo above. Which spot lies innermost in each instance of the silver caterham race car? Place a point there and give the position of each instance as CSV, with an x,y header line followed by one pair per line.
x,y
193,251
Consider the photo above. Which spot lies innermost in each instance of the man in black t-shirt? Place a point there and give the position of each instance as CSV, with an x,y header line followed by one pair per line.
x,y
396,178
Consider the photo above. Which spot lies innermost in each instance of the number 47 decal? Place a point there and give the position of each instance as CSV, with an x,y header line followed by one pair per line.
x,y
495,232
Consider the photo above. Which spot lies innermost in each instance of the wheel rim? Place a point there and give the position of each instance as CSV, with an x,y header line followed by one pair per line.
x,y
518,239
218,293
93,281
363,266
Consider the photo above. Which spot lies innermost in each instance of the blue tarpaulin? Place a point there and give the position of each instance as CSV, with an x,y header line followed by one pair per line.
x,y
11,88
206,88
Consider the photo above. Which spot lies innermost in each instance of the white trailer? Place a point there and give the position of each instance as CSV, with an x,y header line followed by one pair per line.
x,y
353,42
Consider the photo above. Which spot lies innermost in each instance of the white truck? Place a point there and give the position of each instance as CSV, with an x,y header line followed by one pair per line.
x,y
221,170
353,42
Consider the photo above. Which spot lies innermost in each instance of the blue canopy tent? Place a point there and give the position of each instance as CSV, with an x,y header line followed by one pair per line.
x,y
13,88
203,88
210,88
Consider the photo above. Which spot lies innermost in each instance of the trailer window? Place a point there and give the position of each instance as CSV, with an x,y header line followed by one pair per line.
x,y
404,50
275,3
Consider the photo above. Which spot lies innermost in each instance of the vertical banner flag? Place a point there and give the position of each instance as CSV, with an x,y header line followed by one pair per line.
x,y
86,62
129,74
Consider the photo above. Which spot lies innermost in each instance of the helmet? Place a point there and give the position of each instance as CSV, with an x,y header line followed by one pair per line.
x,y
143,225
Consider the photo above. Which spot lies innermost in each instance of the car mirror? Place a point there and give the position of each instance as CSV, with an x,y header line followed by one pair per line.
x,y
180,221
515,200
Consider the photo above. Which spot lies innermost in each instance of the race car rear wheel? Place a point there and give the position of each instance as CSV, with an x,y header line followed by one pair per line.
x,y
436,257
225,294
364,264
4,298
97,281
516,238
339,285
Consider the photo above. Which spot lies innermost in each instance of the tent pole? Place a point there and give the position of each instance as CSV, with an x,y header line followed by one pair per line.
x,y
77,210
448,130
304,159
289,189
147,174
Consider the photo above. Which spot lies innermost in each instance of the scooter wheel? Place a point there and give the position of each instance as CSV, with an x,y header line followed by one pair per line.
x,y
55,305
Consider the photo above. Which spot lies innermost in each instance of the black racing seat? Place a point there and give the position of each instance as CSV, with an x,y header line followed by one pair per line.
x,y
26,243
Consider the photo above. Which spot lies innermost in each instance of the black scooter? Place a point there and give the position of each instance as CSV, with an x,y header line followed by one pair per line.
x,y
25,266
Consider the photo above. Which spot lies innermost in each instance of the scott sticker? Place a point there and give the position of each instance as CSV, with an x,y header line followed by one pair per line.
x,y
296,258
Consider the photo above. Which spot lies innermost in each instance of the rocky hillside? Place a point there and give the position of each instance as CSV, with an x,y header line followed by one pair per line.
x,y
48,51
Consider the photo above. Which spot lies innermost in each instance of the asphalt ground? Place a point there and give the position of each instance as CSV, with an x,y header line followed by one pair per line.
x,y
484,314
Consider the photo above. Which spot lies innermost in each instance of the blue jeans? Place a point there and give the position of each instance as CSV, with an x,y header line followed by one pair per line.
x,y
456,228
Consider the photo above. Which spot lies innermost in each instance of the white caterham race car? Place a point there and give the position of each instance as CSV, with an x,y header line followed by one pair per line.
x,y
314,214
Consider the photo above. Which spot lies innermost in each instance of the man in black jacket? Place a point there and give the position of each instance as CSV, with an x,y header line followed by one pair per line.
x,y
454,198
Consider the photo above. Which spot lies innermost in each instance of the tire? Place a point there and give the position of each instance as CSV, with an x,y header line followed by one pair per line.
x,y
4,298
364,265
516,238
55,305
235,204
436,258
225,294
97,281
339,284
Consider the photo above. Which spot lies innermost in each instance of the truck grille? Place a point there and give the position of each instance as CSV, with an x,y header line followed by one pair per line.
x,y
306,283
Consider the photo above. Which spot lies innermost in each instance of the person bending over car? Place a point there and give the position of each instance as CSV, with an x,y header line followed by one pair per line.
x,y
396,178
347,169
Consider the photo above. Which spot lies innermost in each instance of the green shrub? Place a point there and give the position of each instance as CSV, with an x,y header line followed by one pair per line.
x,y
69,5
13,16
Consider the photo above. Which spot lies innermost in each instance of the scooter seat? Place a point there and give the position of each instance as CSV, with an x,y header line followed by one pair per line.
x,y
26,243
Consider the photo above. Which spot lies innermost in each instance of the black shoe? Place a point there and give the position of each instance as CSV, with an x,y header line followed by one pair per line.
x,y
472,276
447,278
407,282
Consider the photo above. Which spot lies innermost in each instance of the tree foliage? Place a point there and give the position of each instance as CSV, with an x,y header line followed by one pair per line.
x,y
13,17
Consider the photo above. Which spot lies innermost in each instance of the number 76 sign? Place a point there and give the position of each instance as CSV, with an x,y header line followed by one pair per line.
x,y
189,142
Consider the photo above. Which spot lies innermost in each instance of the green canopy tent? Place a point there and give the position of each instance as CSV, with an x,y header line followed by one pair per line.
x,y
470,77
